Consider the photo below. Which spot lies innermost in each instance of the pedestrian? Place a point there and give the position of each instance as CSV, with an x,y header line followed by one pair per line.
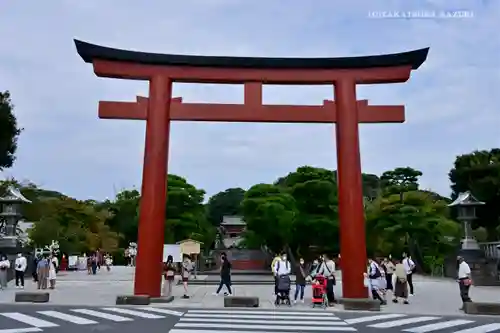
x,y
300,280
108,261
225,275
410,269
52,271
186,270
42,270
464,280
327,269
374,275
400,283
389,267
93,264
35,265
20,267
4,268
89,264
273,270
169,275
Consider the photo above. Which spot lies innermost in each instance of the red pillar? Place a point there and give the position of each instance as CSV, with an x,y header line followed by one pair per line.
x,y
351,210
153,197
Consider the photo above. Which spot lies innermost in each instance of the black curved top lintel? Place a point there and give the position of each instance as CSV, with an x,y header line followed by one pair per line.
x,y
90,52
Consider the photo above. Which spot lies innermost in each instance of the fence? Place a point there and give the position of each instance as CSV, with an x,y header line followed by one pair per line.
x,y
491,249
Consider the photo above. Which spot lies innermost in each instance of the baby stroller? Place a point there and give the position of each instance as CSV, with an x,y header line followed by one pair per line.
x,y
283,295
319,297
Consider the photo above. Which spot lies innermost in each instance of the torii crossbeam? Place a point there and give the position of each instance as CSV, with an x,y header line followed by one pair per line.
x,y
159,109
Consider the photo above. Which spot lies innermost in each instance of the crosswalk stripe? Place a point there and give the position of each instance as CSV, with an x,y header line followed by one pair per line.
x,y
284,313
481,329
266,327
22,330
249,316
67,317
174,330
134,313
259,321
373,318
163,311
32,321
438,326
102,315
396,323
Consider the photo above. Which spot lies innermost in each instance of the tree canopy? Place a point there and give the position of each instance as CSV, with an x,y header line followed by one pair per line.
x,y
297,213
9,131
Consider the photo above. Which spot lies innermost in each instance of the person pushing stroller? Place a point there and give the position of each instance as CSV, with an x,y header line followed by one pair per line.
x,y
282,271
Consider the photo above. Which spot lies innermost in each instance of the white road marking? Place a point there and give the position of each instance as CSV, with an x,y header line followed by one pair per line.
x,y
134,313
438,326
215,331
481,329
22,330
270,312
373,318
266,327
396,323
260,321
102,315
68,317
32,321
163,311
249,316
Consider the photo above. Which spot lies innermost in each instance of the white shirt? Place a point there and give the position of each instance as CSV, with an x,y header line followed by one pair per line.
x,y
463,270
20,264
5,263
409,265
282,267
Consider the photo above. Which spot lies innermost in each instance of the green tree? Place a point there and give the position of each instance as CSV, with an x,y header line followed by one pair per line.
x,y
124,217
9,131
400,180
479,172
186,216
316,227
269,213
224,203
77,227
392,223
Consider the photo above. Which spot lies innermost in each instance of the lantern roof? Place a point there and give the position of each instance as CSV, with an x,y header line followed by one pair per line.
x,y
466,199
13,195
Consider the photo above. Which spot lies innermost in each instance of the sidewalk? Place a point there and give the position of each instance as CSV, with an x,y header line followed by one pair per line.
x,y
433,295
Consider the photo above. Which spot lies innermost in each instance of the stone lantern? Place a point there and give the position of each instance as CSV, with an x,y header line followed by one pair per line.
x,y
466,205
484,272
10,214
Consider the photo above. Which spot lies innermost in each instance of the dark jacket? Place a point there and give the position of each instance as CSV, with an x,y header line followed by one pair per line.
x,y
225,269
300,278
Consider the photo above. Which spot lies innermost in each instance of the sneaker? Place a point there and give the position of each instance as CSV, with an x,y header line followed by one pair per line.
x,y
215,294
294,301
394,301
226,294
406,302
412,295
302,301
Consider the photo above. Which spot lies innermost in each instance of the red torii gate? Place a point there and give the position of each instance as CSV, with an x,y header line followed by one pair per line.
x,y
161,70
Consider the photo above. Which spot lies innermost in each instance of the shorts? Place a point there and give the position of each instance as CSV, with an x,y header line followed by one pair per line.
x,y
185,279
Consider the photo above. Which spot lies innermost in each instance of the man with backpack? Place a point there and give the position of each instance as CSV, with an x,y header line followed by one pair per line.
x,y
374,276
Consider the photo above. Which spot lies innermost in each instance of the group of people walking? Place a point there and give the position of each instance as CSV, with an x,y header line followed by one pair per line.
x,y
390,275
322,266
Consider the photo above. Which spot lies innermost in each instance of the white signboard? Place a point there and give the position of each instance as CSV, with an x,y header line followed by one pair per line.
x,y
173,250
72,261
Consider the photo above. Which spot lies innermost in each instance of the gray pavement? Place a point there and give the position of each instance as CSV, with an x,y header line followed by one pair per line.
x,y
153,319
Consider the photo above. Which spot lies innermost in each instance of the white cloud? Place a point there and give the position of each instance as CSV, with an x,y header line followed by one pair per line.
x,y
452,104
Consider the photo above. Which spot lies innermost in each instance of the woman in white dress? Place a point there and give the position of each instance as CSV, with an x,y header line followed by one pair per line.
x,y
52,272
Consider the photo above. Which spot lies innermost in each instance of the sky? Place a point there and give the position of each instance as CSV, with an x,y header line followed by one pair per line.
x,y
451,101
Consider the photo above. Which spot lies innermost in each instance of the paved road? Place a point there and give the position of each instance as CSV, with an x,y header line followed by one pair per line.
x,y
62,319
